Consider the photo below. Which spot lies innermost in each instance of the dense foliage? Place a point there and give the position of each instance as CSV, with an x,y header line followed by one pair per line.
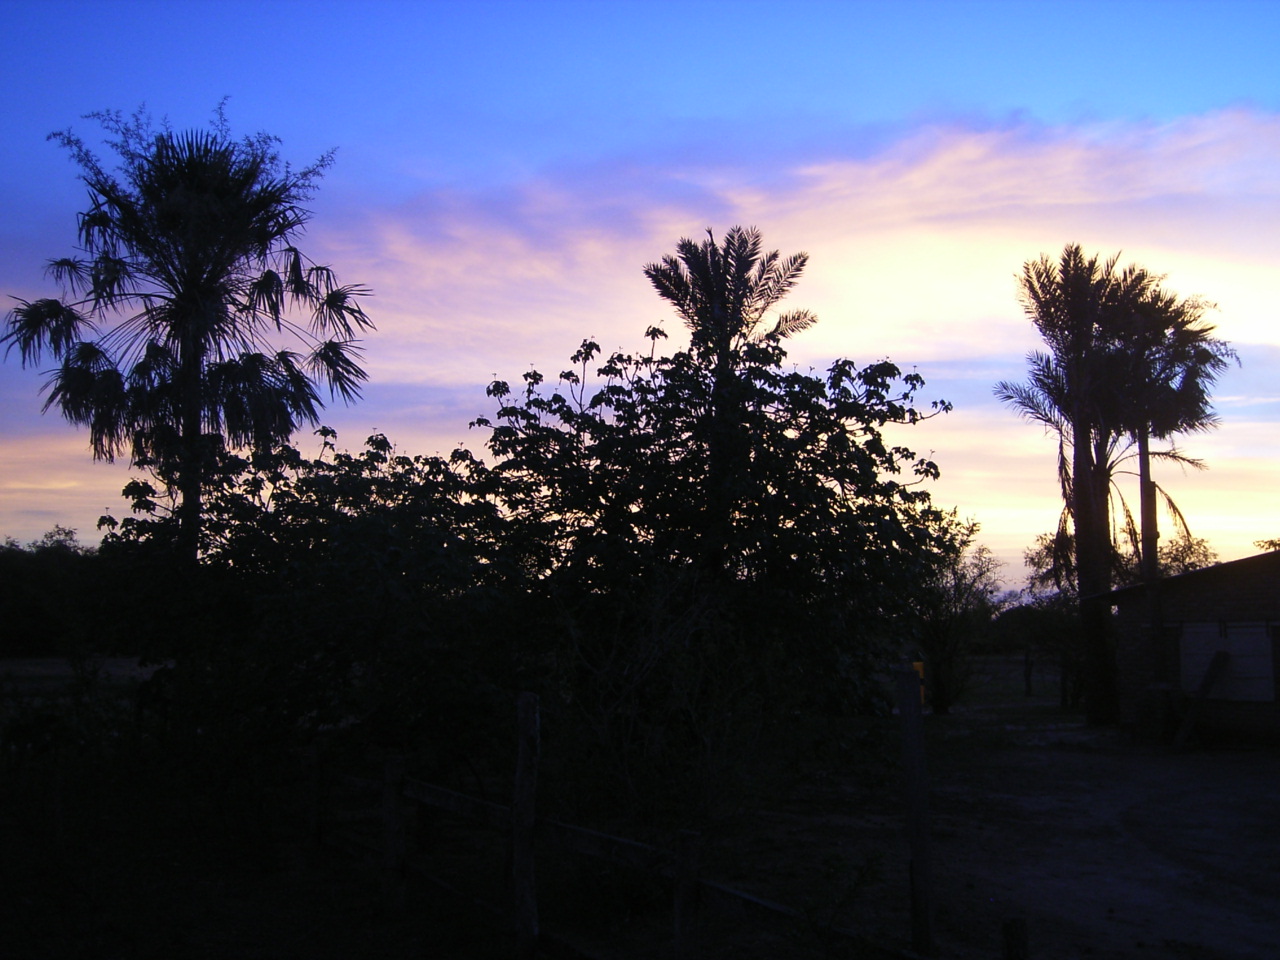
x,y
681,552
36,580
715,542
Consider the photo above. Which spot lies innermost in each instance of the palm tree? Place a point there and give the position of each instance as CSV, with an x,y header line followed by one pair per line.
x,y
723,292
1127,361
167,323
1172,362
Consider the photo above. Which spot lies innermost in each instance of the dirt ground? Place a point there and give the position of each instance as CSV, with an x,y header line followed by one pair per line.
x,y
1105,848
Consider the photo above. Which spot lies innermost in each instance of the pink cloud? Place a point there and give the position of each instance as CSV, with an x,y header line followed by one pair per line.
x,y
914,248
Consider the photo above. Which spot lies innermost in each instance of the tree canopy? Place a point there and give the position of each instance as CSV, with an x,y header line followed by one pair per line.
x,y
712,534
189,275
1126,361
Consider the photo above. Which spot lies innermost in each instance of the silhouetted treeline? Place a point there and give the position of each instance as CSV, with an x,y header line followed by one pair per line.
x,y
682,553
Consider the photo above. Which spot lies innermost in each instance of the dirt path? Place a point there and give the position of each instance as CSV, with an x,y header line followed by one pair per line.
x,y
1108,851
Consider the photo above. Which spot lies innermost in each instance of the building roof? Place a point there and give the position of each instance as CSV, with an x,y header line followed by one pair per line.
x,y
1205,576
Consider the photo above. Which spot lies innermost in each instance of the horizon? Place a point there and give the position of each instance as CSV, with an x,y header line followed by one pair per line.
x,y
505,171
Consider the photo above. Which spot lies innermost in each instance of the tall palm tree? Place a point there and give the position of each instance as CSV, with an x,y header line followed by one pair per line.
x,y
189,274
1127,361
1172,361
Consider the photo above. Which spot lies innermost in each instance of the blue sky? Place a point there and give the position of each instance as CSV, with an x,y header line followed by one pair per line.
x,y
505,169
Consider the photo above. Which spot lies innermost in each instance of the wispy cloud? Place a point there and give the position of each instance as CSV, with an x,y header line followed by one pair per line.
x,y
914,249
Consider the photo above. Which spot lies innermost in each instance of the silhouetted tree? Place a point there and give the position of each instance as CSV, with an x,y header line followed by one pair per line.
x,y
1126,361
1177,555
723,293
955,608
1170,361
717,537
53,597
190,271
362,586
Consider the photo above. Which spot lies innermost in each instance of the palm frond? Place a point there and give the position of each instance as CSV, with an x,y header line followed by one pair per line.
x,y
1179,520
39,325
335,362
71,273
266,296
339,311
722,290
89,390
793,322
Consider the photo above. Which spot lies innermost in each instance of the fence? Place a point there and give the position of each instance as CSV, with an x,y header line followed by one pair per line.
x,y
691,893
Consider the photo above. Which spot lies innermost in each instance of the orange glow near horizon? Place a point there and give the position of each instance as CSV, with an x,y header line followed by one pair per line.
x,y
913,254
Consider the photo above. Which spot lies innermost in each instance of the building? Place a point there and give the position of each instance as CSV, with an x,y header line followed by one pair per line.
x,y
1232,608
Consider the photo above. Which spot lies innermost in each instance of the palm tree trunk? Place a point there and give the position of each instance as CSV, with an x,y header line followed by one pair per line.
x,y
191,453
1147,511
1150,553
190,506
1093,561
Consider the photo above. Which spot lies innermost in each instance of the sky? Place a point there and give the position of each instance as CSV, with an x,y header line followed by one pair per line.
x,y
504,170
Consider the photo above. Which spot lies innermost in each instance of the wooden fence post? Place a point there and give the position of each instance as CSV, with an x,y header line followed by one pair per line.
x,y
917,810
1016,946
59,796
686,891
524,892
315,807
393,851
